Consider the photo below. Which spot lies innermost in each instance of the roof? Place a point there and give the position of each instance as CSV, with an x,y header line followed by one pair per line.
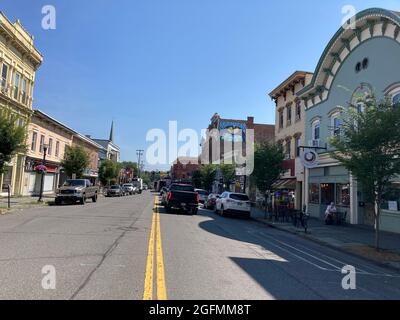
x,y
289,82
42,114
89,141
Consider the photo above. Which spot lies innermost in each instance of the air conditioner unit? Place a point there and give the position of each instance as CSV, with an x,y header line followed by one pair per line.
x,y
314,143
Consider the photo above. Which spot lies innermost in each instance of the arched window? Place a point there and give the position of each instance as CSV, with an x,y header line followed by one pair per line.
x,y
394,95
361,95
316,129
336,122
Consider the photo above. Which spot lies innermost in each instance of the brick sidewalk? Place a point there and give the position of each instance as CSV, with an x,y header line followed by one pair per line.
x,y
358,240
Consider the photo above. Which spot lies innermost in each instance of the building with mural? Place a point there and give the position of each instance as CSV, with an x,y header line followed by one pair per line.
x,y
19,61
358,62
289,133
228,140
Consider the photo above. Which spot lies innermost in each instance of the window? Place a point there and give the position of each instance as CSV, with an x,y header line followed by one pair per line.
x,y
34,140
395,96
327,193
336,122
343,195
41,146
57,148
3,80
391,199
50,147
16,85
281,119
298,110
316,130
289,115
288,149
313,193
298,144
23,91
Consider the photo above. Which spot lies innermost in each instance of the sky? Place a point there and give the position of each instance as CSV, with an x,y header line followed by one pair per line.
x,y
144,63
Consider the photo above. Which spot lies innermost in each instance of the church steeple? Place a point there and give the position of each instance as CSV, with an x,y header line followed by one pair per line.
x,y
112,132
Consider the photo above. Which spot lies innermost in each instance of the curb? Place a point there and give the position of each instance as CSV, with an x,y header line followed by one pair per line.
x,y
326,244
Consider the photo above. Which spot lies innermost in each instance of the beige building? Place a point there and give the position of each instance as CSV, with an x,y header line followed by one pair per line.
x,y
290,134
19,60
45,135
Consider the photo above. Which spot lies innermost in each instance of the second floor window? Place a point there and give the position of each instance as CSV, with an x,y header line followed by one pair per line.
x,y
50,147
4,72
316,130
57,148
288,149
298,110
336,123
34,140
23,90
289,115
16,85
298,144
41,147
281,119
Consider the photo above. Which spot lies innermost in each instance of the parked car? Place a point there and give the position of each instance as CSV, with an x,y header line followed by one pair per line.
x,y
74,190
233,203
183,197
145,187
203,194
115,191
211,200
129,188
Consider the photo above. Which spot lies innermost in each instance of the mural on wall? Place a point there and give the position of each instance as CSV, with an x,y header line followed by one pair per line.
x,y
233,131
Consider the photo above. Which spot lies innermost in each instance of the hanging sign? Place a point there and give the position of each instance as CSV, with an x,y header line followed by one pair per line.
x,y
309,158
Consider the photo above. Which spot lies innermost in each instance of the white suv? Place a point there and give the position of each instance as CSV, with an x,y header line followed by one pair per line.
x,y
234,203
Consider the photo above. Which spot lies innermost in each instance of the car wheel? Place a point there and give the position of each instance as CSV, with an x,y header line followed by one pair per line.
x,y
57,202
221,212
195,211
168,209
83,200
94,198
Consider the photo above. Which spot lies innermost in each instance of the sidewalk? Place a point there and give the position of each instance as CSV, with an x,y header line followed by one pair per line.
x,y
19,203
357,240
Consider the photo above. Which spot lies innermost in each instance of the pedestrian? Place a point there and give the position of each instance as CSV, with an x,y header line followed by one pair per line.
x,y
330,214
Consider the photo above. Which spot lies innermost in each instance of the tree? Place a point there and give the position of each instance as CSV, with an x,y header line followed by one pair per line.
x,y
228,173
268,160
208,175
130,165
369,147
197,179
76,160
12,138
108,172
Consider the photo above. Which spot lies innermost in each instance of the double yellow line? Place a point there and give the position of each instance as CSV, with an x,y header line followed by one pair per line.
x,y
155,254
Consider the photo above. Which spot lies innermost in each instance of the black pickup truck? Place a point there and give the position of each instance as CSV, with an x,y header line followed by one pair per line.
x,y
182,196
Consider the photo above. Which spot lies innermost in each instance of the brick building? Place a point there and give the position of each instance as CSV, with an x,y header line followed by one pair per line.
x,y
183,168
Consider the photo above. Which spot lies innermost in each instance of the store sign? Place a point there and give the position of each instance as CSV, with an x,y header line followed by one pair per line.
x,y
309,158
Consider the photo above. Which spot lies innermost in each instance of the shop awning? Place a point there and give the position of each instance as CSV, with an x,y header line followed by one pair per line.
x,y
283,184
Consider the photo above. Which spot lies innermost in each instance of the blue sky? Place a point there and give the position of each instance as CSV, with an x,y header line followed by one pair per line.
x,y
143,63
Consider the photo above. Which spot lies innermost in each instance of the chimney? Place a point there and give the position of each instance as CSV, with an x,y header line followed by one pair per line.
x,y
250,120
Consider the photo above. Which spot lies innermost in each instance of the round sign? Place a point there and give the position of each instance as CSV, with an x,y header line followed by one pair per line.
x,y
310,158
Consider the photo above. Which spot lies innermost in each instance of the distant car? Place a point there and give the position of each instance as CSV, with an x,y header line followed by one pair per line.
x,y
115,191
163,194
203,194
233,203
211,201
129,188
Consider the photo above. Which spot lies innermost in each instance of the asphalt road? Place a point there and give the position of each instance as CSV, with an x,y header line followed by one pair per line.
x,y
120,248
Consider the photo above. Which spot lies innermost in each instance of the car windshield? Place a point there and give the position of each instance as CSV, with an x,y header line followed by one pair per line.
x,y
240,197
74,183
181,187
202,192
114,187
128,185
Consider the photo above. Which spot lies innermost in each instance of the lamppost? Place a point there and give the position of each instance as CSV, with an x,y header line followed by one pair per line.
x,y
45,147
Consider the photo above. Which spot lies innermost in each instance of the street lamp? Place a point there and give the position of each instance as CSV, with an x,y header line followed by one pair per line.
x,y
45,147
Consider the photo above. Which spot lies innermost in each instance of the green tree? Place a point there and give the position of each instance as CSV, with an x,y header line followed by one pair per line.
x,y
196,179
369,147
228,173
12,138
208,175
130,165
108,172
76,160
268,160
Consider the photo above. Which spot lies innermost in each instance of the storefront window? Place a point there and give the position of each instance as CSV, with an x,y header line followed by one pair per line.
x,y
392,198
343,195
314,193
327,193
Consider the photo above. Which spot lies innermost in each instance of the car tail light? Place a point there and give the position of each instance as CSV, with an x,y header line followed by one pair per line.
x,y
169,196
197,198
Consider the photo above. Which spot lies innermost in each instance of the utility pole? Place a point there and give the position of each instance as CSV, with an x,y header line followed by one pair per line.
x,y
139,154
